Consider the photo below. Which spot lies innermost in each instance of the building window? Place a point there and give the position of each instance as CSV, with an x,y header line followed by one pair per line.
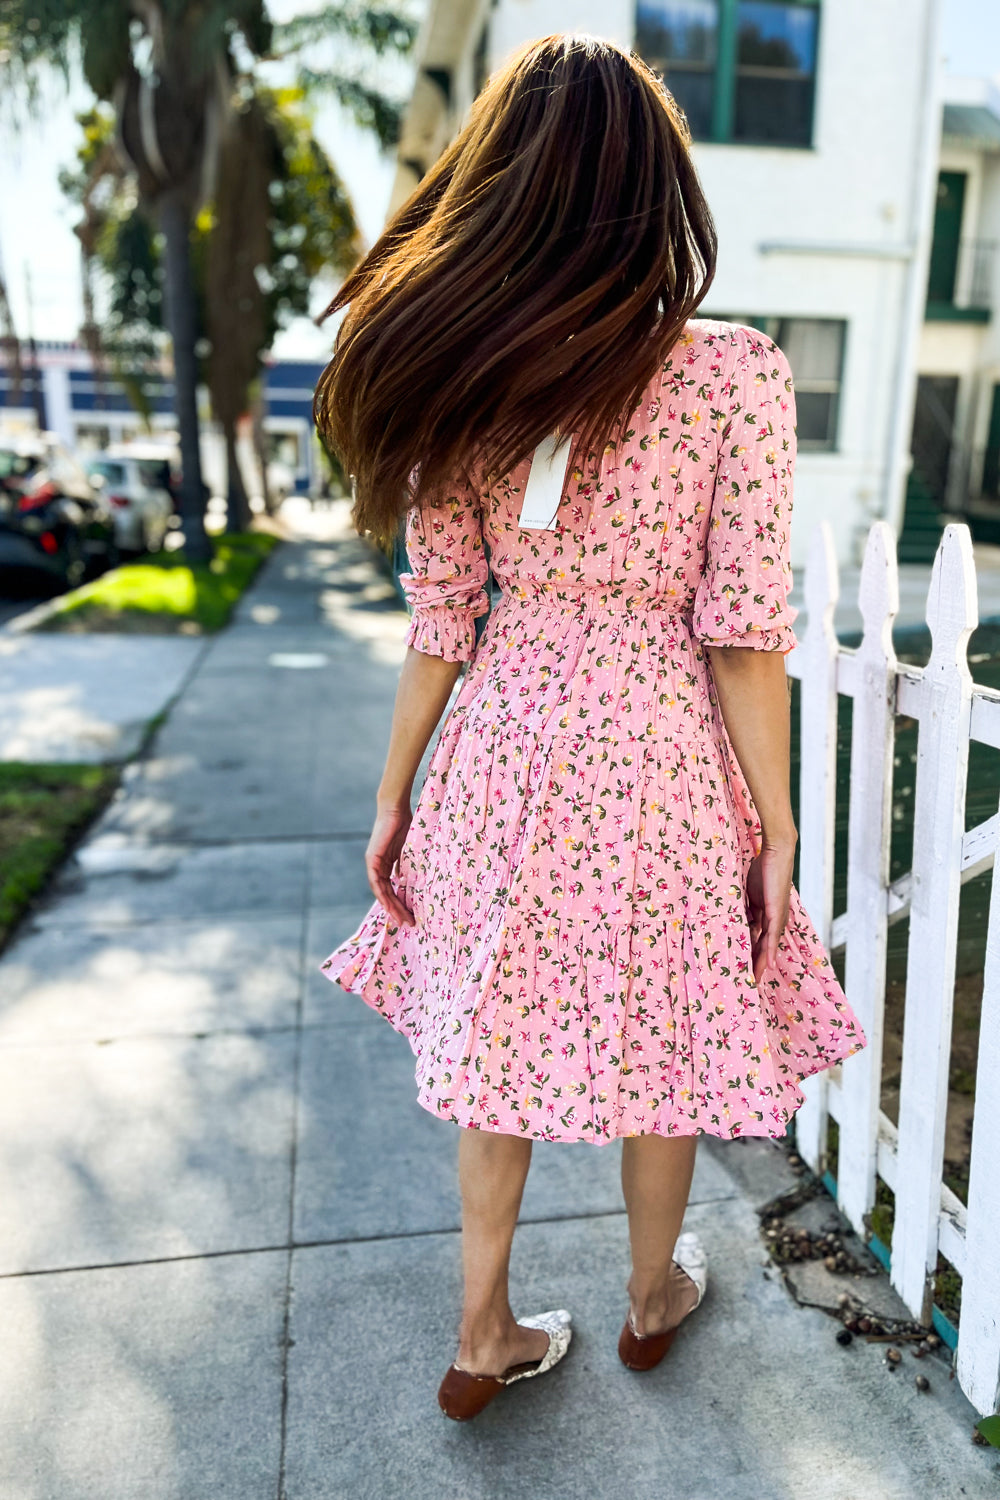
x,y
775,73
814,348
741,70
678,38
480,61
948,210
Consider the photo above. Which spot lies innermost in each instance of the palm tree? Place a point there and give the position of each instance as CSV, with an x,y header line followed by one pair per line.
x,y
364,30
171,121
279,218
167,68
10,343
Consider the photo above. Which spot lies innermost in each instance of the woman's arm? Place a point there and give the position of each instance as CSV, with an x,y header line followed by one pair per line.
x,y
743,614
425,685
446,589
753,692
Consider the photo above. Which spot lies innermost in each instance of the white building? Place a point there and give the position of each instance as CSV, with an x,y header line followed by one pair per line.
x,y
817,126
88,410
956,428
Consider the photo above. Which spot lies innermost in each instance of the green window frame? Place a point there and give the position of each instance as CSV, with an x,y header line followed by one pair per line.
x,y
737,84
990,486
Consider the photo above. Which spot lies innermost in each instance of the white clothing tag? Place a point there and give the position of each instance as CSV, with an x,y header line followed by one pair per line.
x,y
546,481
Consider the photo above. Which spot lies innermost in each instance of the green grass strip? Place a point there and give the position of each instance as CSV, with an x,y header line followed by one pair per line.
x,y
43,810
164,585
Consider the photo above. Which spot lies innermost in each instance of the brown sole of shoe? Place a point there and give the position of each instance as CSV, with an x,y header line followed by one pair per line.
x,y
462,1396
643,1352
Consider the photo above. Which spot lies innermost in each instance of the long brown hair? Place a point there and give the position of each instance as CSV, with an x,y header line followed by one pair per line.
x,y
533,283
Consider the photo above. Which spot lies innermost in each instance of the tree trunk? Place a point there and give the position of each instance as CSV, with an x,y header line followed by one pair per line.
x,y
89,332
10,345
181,319
238,514
260,448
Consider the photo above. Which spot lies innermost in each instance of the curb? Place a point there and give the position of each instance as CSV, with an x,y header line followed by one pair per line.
x,y
33,618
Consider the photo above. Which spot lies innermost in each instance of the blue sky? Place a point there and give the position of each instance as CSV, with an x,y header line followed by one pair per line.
x,y
36,222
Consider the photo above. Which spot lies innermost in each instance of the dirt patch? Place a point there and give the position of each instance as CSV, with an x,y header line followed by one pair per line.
x,y
117,622
961,1076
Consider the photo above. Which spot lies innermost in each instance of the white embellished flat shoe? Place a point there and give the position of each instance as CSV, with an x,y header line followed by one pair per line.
x,y
463,1395
642,1351
689,1253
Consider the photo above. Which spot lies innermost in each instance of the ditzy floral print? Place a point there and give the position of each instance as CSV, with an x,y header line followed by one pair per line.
x,y
580,967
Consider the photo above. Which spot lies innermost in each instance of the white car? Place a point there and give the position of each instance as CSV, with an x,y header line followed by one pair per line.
x,y
140,503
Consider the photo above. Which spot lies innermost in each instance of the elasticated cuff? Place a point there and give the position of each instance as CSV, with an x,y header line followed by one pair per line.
x,y
443,630
780,638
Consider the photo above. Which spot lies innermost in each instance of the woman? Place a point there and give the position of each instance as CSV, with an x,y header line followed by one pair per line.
x,y
587,927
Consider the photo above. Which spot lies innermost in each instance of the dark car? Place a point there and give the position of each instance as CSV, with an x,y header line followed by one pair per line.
x,y
52,519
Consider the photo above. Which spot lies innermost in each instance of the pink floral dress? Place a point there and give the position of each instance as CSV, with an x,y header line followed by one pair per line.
x,y
580,968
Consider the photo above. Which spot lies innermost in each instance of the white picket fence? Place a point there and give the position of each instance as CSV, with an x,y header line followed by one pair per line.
x,y
951,711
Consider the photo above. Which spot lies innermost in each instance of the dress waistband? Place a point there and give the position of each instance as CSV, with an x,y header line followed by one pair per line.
x,y
586,596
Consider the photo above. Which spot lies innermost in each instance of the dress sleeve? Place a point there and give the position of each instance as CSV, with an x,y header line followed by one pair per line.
x,y
446,585
742,596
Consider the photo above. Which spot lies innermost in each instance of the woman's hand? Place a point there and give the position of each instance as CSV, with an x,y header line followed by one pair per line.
x,y
388,836
769,883
753,692
425,685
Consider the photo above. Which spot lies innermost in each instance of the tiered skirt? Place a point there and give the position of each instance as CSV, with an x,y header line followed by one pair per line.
x,y
580,968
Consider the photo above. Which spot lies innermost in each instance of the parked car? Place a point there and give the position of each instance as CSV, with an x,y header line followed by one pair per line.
x,y
139,494
162,458
52,519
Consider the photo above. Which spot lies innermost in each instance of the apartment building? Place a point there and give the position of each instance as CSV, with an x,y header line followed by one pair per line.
x,y
816,128
956,425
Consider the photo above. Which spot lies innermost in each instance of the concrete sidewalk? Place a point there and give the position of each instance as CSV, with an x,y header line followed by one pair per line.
x,y
229,1258
86,697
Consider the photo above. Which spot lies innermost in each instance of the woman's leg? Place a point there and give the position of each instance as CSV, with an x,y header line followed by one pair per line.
x,y
656,1179
492,1169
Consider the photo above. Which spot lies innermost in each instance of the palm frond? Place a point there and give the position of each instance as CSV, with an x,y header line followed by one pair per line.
x,y
382,28
370,107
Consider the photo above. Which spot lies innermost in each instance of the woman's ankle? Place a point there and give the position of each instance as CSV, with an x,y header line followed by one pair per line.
x,y
661,1305
649,1314
486,1330
490,1349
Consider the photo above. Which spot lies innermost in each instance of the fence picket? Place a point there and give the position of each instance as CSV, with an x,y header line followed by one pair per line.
x,y
950,709
938,827
817,669
978,1362
872,745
